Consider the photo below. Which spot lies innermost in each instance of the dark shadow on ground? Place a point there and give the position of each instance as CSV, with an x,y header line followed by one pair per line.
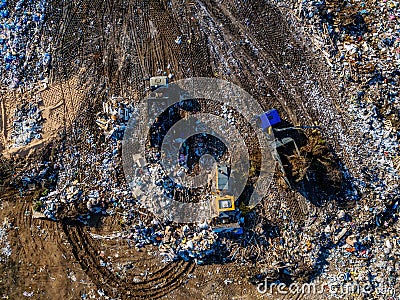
x,y
311,166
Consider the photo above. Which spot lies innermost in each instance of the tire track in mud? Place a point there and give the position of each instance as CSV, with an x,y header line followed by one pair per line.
x,y
287,85
157,284
85,251
233,30
263,65
158,53
249,75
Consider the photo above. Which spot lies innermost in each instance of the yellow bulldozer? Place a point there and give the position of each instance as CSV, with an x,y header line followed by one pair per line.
x,y
228,215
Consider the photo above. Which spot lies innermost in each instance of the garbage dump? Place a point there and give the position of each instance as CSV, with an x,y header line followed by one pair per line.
x,y
27,124
24,52
5,247
351,242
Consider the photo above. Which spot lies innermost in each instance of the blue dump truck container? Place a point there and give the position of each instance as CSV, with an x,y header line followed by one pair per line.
x,y
270,118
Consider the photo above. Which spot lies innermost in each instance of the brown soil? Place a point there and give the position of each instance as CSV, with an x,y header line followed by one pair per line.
x,y
56,259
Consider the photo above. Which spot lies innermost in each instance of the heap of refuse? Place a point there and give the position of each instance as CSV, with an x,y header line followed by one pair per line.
x,y
24,52
357,246
174,242
360,43
27,124
90,176
188,243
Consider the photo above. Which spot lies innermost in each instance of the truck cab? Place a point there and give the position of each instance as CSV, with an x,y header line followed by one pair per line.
x,y
269,118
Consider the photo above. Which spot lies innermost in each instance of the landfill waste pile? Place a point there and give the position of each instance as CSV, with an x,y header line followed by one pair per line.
x,y
349,238
5,247
27,124
359,40
90,176
188,243
24,52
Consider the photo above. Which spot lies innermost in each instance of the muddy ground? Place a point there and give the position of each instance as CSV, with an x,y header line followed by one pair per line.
x,y
61,260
